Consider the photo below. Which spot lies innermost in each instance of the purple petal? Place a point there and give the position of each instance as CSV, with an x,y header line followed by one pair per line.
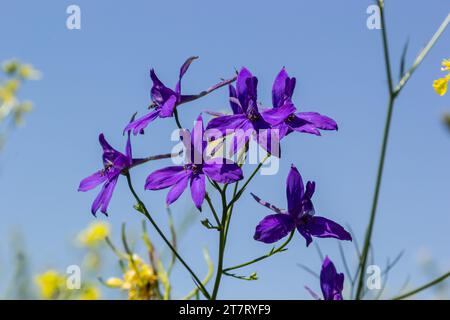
x,y
294,191
274,227
252,85
159,92
128,150
186,65
183,70
185,137
241,82
267,204
305,234
269,140
166,177
318,120
177,189
283,129
310,188
168,107
197,140
278,88
105,145
104,197
301,125
234,102
198,190
278,115
111,155
140,124
222,172
331,282
92,181
227,124
290,86
321,227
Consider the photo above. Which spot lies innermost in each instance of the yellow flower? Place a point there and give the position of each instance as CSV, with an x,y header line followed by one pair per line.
x,y
94,234
90,293
50,284
114,282
27,71
441,84
140,280
8,91
445,65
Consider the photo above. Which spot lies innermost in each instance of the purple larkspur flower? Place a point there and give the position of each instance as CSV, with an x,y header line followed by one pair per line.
x,y
164,100
194,171
115,163
247,120
300,215
307,122
331,282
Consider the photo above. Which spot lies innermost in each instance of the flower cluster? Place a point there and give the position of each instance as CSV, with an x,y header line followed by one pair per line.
x,y
248,121
52,286
139,280
441,84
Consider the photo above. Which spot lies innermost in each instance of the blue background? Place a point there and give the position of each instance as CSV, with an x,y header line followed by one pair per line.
x,y
96,77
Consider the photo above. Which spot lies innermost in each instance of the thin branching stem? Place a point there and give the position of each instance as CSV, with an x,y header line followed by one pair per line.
x,y
425,286
393,93
271,253
145,212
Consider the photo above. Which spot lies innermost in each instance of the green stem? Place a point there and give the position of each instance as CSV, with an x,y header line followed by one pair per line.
x,y
230,211
271,253
149,217
216,217
393,93
387,126
425,286
225,222
208,276
177,120
423,54
241,191
221,245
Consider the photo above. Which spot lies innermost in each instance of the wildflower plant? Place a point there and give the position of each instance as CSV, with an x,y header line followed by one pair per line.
x,y
214,154
12,108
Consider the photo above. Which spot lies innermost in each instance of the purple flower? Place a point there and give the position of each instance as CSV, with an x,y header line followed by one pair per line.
x,y
247,120
194,171
331,282
300,215
115,163
164,100
308,122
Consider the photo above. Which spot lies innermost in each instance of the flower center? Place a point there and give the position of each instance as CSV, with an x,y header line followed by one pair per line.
x,y
290,118
196,169
252,116
108,167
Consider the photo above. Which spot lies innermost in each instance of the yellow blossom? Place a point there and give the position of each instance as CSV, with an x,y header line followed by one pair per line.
x,y
114,282
140,280
446,65
50,283
90,293
94,234
27,71
441,84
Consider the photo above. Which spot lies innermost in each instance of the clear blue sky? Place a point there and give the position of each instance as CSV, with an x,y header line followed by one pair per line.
x,y
96,77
